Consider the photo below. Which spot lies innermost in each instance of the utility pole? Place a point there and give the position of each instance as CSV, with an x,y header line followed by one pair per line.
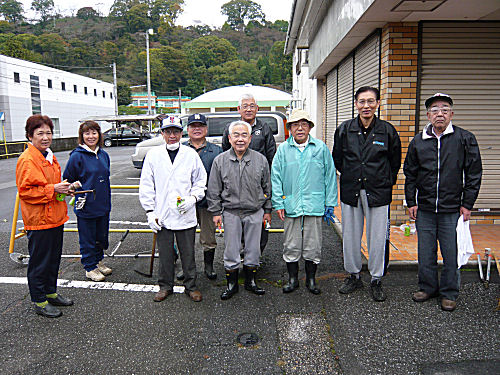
x,y
115,88
180,101
148,71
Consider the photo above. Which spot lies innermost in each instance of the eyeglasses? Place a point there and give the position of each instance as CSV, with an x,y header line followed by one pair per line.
x,y
369,101
300,124
435,110
172,131
247,106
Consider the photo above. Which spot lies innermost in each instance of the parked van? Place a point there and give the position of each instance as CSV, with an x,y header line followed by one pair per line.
x,y
217,122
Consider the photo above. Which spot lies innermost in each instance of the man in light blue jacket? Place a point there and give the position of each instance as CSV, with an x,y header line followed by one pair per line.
x,y
304,190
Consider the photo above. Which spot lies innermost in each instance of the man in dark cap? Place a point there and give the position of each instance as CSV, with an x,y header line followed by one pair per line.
x,y
443,174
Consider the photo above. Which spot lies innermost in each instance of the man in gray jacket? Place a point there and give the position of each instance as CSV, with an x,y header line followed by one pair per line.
x,y
239,192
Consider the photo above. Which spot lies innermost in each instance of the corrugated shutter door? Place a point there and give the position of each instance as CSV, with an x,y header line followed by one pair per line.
x,y
367,61
345,90
331,106
462,59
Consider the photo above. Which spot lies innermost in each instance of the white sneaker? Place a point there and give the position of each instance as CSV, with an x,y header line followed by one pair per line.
x,y
95,275
105,270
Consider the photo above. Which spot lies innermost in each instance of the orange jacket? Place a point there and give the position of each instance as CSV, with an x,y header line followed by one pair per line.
x,y
35,179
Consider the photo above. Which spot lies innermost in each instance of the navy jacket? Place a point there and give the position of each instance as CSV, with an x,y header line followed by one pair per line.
x,y
373,162
207,156
93,172
442,175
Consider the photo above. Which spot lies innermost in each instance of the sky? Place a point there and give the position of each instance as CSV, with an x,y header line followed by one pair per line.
x,y
196,12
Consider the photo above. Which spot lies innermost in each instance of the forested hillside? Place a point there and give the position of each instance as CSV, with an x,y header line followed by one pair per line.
x,y
246,49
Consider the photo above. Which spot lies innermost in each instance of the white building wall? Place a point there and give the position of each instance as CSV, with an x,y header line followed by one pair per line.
x,y
305,92
66,107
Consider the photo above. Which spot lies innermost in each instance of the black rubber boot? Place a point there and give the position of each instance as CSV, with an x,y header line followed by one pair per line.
x,y
232,284
293,274
250,284
311,277
208,259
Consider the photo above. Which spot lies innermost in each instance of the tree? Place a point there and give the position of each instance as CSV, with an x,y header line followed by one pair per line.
x,y
210,50
137,18
44,7
12,47
124,92
165,10
121,7
108,52
87,13
240,11
235,72
126,110
11,10
53,48
280,25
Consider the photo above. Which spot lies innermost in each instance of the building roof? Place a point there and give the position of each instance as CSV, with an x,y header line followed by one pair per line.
x,y
229,97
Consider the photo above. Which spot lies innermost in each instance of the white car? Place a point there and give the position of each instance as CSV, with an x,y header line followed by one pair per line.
x,y
217,122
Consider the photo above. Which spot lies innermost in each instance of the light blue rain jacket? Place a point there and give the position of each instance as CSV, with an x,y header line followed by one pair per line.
x,y
303,183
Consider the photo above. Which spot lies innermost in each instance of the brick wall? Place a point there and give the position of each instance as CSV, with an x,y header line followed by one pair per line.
x,y
398,89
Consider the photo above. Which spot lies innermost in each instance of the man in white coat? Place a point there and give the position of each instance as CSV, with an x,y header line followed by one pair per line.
x,y
173,179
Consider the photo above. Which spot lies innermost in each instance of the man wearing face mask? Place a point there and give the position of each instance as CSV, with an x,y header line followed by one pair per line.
x,y
173,179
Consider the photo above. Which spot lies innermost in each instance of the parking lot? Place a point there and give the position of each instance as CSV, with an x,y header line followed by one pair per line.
x,y
120,330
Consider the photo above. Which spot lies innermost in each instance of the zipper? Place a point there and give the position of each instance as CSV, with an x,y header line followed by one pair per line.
x,y
438,171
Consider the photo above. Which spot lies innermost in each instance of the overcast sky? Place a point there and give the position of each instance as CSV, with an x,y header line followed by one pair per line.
x,y
195,11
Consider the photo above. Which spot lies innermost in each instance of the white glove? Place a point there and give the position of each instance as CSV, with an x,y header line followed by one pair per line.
x,y
187,204
152,222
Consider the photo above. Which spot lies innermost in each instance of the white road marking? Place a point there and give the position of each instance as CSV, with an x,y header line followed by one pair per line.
x,y
95,285
124,193
133,178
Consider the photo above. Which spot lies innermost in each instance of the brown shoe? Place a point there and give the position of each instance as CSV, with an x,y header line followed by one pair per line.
x,y
422,296
161,295
448,305
195,295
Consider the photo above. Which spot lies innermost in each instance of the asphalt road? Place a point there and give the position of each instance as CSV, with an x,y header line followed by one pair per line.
x,y
125,332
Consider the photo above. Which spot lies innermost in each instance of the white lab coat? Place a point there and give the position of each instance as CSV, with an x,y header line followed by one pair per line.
x,y
162,182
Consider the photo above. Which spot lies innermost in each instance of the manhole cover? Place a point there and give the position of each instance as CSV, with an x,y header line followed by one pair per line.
x,y
247,339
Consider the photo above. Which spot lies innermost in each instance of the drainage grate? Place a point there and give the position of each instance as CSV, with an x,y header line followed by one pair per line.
x,y
247,339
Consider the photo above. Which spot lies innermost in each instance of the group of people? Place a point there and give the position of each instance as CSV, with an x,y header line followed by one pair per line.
x,y
236,187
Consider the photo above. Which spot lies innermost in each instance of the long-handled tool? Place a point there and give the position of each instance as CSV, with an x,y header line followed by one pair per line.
x,y
487,253
112,253
85,192
150,274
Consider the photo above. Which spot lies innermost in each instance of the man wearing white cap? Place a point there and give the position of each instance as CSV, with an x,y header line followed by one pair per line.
x,y
173,179
443,175
304,191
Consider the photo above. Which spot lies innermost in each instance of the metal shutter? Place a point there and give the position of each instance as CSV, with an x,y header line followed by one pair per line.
x,y
345,90
367,63
462,59
331,107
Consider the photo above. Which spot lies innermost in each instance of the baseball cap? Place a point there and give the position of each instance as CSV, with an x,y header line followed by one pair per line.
x,y
197,117
438,96
171,122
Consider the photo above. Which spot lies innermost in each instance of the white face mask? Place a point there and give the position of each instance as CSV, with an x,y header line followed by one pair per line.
x,y
173,146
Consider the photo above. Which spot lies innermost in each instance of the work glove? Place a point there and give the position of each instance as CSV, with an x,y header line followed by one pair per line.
x,y
187,204
153,222
329,215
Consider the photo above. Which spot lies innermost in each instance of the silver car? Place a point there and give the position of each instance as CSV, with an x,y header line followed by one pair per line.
x,y
217,122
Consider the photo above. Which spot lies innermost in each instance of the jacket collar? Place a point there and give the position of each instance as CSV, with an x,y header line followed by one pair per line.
x,y
292,142
377,126
233,157
87,148
50,154
428,134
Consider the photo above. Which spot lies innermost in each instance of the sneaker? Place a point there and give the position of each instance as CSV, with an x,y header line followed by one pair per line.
x,y
95,275
105,270
351,283
376,291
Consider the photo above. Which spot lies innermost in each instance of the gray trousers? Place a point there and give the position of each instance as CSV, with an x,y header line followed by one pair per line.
x,y
303,238
352,232
207,229
185,244
234,226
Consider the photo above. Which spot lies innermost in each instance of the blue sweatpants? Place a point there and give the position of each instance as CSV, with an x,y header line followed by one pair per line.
x,y
93,235
45,248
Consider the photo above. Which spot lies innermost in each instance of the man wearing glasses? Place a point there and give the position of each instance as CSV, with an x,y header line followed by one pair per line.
x,y
239,194
262,140
443,175
367,153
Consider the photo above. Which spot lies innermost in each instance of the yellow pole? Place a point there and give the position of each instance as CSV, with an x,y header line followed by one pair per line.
x,y
14,223
4,140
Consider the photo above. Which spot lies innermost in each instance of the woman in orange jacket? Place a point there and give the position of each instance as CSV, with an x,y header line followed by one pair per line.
x,y
38,179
